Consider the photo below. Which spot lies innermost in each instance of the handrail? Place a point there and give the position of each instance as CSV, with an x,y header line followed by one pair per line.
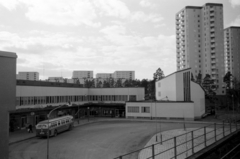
x,y
230,151
224,130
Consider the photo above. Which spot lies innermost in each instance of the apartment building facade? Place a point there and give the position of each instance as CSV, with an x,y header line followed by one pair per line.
x,y
199,41
104,75
124,74
82,74
232,51
33,76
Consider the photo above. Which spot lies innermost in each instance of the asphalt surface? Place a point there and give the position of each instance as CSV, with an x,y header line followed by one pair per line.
x,y
100,140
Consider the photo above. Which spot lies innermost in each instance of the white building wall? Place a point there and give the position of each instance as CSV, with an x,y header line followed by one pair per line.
x,y
166,87
26,91
198,97
168,110
139,92
37,91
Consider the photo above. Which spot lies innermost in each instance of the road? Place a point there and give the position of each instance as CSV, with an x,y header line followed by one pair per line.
x,y
101,140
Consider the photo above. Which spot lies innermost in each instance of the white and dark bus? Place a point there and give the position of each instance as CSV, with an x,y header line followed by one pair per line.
x,y
54,126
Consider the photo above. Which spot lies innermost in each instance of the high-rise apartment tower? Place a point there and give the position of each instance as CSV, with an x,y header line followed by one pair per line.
x,y
199,41
232,51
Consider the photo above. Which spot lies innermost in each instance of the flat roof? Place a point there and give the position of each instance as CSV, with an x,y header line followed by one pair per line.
x,y
159,101
193,7
213,4
8,54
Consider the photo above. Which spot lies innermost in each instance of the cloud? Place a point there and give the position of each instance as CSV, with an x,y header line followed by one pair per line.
x,y
236,22
9,4
234,3
37,41
112,8
146,3
141,16
57,12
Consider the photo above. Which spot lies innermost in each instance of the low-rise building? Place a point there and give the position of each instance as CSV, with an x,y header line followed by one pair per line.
x,y
176,97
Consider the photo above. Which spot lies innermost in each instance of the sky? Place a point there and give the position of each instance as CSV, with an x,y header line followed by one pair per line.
x,y
56,37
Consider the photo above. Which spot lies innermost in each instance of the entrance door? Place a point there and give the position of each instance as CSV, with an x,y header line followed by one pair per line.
x,y
36,119
116,112
23,121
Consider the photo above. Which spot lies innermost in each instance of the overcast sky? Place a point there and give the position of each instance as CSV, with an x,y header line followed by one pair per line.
x,y
55,37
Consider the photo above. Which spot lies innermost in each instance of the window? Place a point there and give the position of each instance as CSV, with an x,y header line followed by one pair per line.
x,y
145,110
159,84
133,109
159,94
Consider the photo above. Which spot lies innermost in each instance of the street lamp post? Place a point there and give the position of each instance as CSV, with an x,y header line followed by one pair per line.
x,y
88,113
233,106
49,114
78,114
156,118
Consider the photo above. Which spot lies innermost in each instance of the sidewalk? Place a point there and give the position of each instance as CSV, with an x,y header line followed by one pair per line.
x,y
21,135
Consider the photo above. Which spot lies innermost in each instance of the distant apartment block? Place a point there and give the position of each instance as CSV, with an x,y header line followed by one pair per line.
x,y
56,79
124,74
33,76
232,51
82,74
199,41
104,75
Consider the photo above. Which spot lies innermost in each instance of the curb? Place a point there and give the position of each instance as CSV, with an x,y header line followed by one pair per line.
x,y
14,142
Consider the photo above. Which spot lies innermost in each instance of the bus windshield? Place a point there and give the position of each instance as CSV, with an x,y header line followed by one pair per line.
x,y
42,126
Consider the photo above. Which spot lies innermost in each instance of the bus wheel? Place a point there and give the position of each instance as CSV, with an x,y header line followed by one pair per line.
x,y
55,133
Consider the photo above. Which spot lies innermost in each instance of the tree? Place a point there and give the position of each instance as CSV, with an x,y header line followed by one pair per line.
x,y
99,83
158,74
192,78
118,83
106,84
227,79
199,78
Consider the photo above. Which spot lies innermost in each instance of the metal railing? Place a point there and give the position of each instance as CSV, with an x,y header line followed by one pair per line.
x,y
184,145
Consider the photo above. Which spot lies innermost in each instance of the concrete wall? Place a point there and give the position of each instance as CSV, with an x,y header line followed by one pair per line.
x,y
167,87
198,97
7,97
168,110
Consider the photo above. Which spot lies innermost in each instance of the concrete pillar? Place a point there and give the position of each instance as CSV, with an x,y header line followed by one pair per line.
x,y
7,97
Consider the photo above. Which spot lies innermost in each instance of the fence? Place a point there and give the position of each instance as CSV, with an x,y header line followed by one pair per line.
x,y
184,145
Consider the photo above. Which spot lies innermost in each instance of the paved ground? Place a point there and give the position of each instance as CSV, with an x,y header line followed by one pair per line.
x,y
102,140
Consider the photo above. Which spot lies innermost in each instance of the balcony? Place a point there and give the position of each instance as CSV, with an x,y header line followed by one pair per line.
x,y
212,40
212,30
212,19
213,56
212,24
211,9
212,45
214,77
212,35
213,61
213,66
211,14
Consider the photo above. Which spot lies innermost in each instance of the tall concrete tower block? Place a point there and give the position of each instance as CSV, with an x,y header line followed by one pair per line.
x,y
199,41
7,97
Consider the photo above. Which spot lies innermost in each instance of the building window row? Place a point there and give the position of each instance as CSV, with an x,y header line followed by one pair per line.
x,y
68,99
